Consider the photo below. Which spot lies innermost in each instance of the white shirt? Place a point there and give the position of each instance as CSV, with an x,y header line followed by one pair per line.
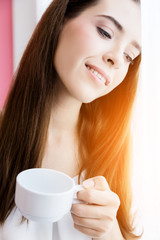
x,y
13,229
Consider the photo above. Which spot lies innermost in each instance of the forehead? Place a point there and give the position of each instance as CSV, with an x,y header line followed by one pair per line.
x,y
125,12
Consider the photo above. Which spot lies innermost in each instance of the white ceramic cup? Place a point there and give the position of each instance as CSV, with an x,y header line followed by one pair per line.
x,y
45,195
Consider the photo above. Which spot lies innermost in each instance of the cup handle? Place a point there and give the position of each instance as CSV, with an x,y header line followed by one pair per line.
x,y
77,189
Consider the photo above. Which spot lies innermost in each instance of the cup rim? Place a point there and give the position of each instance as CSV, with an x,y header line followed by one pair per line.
x,y
38,192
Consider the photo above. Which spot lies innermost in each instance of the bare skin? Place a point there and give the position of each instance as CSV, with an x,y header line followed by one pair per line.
x,y
112,55
96,221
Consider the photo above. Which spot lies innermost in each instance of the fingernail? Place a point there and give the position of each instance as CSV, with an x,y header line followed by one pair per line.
x,y
88,183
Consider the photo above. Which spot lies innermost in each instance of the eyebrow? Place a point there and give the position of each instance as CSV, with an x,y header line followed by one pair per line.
x,y
114,21
136,45
120,28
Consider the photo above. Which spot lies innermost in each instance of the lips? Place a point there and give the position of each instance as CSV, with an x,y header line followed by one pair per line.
x,y
101,72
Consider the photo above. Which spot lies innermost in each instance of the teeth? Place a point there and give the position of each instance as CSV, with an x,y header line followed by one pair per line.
x,y
97,74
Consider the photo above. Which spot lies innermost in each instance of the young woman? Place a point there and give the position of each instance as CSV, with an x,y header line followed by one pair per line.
x,y
69,109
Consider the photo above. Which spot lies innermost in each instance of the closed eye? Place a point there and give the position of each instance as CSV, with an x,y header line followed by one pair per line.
x,y
103,33
129,59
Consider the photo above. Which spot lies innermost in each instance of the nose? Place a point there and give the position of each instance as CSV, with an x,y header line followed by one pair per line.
x,y
114,58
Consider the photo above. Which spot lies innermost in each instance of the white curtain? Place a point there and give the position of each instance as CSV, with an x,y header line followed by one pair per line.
x,y
146,125
146,121
26,14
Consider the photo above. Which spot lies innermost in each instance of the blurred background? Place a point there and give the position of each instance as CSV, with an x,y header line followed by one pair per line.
x,y
18,19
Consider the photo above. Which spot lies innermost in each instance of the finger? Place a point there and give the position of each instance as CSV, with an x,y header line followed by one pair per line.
x,y
89,231
93,211
100,226
93,196
98,183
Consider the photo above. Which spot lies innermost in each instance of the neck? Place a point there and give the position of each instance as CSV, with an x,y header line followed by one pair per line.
x,y
62,142
65,113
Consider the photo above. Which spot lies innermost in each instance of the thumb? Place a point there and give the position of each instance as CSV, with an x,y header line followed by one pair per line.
x,y
98,183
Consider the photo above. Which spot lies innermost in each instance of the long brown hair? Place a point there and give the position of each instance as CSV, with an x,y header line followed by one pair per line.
x,y
104,124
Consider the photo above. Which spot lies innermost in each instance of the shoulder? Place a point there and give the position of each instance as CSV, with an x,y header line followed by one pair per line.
x,y
11,228
15,229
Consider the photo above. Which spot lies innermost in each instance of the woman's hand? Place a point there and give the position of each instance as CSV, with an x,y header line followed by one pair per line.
x,y
97,218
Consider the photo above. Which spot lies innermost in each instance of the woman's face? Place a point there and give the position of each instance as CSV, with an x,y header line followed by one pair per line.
x,y
96,48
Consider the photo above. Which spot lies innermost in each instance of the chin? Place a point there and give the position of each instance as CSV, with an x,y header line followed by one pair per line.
x,y
87,99
85,94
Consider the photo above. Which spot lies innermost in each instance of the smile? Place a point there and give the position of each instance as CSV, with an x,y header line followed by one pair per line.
x,y
98,73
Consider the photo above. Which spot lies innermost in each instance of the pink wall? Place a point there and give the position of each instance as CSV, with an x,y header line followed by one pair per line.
x,y
6,48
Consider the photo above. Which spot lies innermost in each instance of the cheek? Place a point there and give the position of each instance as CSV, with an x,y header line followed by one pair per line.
x,y
83,39
82,35
120,75
77,42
